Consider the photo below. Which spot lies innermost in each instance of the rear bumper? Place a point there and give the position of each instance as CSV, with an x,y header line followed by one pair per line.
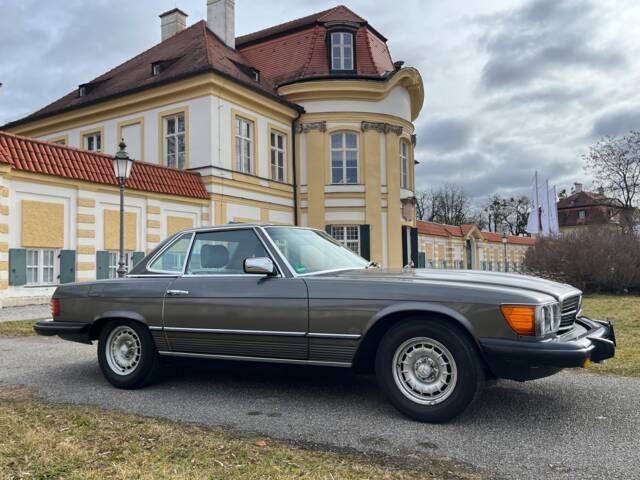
x,y
589,340
74,331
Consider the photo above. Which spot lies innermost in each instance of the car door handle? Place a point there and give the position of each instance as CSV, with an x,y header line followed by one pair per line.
x,y
177,292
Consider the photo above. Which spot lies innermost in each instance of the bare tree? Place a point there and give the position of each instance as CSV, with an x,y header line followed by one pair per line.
x,y
508,213
422,205
448,204
615,165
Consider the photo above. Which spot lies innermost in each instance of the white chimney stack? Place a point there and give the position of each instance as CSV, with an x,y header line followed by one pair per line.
x,y
172,22
577,187
221,19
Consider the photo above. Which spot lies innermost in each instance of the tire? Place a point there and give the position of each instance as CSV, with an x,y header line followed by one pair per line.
x,y
442,375
136,363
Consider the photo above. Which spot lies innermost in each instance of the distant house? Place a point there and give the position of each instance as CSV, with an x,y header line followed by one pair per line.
x,y
466,247
582,209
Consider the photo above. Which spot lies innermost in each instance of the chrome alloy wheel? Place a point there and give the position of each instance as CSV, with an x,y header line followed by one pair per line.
x,y
424,370
123,350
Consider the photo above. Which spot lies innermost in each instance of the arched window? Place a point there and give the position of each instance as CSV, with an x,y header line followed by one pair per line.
x,y
404,164
342,51
344,157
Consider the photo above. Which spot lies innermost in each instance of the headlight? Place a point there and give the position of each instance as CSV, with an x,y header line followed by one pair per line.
x,y
533,319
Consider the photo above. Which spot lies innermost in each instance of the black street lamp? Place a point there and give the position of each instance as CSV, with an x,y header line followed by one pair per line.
x,y
505,239
122,169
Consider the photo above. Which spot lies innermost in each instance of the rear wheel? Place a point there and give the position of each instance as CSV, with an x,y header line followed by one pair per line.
x,y
429,370
127,354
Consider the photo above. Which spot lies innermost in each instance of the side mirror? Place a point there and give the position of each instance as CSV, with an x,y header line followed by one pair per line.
x,y
259,266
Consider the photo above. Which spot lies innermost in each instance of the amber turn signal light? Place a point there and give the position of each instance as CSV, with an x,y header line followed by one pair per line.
x,y
522,318
55,307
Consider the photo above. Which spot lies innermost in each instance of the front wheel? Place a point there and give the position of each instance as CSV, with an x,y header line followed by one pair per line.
x,y
127,354
429,370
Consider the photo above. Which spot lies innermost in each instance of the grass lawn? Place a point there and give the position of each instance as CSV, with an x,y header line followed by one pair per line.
x,y
624,310
20,328
41,440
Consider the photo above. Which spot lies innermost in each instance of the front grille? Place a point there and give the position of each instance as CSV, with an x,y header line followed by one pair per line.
x,y
569,311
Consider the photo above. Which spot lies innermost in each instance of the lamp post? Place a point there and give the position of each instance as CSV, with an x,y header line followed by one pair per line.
x,y
122,169
505,239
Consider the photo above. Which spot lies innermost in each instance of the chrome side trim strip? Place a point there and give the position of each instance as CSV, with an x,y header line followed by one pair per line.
x,y
257,359
342,336
155,329
235,332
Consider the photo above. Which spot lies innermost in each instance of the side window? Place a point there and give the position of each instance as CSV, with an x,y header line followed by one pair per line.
x,y
172,259
224,252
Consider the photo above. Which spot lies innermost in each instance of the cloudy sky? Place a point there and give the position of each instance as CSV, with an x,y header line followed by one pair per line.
x,y
511,86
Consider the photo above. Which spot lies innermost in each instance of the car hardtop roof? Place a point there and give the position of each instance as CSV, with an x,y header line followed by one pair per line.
x,y
226,226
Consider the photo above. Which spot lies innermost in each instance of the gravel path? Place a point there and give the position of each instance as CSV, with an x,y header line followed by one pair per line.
x,y
29,312
573,425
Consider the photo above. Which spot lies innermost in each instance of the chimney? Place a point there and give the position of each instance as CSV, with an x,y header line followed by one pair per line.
x,y
221,20
601,191
577,187
172,22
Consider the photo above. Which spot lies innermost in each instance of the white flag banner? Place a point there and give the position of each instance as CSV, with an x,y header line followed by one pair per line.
x,y
554,226
533,224
543,198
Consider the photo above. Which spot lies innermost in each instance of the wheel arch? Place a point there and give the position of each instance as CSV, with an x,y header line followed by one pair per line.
x,y
364,358
103,318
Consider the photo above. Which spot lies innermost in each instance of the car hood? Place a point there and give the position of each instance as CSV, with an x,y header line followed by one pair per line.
x,y
557,290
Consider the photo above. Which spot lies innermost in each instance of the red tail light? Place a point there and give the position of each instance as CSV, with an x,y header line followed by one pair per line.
x,y
55,307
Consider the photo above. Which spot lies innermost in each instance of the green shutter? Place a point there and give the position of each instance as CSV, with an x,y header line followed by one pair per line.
x,y
422,260
102,265
136,258
365,241
17,266
67,266
405,253
327,228
414,246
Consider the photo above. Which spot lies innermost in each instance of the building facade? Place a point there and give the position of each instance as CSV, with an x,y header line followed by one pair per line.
x,y
465,247
584,209
307,123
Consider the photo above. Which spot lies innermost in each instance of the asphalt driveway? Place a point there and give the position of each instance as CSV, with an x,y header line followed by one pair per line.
x,y
573,425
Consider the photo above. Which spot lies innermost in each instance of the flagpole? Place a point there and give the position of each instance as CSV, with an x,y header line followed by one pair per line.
x,y
538,219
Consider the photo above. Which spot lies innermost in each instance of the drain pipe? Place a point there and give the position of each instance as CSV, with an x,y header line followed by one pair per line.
x,y
294,169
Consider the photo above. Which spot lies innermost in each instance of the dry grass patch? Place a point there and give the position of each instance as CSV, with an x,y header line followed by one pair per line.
x,y
39,440
20,328
624,310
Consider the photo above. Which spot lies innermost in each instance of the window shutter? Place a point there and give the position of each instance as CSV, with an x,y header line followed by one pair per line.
x,y
17,266
405,253
67,266
422,260
327,228
102,265
414,246
136,258
365,241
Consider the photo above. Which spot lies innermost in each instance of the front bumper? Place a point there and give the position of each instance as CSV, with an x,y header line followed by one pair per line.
x,y
589,341
74,331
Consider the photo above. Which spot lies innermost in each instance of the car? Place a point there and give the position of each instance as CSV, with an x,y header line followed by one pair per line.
x,y
283,294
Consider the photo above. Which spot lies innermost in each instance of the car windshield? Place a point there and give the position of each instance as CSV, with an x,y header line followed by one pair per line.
x,y
310,251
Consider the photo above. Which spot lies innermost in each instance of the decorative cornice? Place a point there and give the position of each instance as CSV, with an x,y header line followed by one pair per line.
x,y
381,127
305,127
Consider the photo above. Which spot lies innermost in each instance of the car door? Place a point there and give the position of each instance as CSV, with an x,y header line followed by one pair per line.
x,y
216,308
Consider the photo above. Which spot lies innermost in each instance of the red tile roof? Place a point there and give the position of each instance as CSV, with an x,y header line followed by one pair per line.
x,y
51,159
443,230
298,50
598,209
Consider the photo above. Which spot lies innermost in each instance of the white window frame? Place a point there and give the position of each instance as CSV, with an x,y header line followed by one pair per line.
x,y
347,235
244,145
114,257
39,268
95,138
582,214
278,156
176,136
404,164
343,42
342,152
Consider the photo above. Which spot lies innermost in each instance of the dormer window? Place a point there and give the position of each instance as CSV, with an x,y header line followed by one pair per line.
x,y
82,90
342,51
156,68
